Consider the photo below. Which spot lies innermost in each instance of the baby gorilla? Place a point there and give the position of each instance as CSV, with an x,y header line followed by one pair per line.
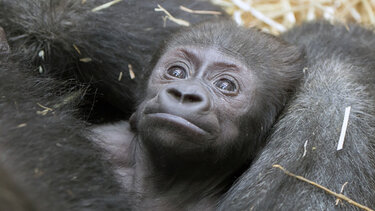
x,y
213,93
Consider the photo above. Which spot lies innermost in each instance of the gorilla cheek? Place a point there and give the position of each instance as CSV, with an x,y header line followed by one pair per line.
x,y
230,134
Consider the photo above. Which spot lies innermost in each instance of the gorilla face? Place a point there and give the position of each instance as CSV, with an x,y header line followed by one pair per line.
x,y
210,100
196,100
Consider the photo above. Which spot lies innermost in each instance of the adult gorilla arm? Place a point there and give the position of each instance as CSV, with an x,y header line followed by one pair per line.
x,y
44,149
94,47
340,74
11,196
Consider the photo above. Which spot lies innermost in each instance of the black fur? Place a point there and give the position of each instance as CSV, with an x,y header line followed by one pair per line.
x,y
60,167
341,64
11,196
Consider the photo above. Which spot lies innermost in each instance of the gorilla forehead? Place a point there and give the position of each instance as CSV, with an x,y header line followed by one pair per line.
x,y
238,42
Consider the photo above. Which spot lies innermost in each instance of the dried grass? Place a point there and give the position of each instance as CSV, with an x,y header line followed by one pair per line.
x,y
337,195
276,16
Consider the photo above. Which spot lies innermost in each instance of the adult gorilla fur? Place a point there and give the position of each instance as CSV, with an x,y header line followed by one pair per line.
x,y
55,164
41,133
113,40
339,73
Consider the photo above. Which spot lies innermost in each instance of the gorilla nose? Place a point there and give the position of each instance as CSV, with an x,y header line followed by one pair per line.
x,y
184,97
189,97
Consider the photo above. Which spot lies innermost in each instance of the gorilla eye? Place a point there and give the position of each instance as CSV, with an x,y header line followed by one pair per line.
x,y
177,72
226,85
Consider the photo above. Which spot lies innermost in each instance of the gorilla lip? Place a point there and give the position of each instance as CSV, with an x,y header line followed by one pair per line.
x,y
179,121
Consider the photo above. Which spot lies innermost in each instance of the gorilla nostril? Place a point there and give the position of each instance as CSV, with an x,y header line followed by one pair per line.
x,y
175,93
184,97
192,98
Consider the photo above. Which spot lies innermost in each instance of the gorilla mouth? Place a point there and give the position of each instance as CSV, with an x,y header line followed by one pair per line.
x,y
179,121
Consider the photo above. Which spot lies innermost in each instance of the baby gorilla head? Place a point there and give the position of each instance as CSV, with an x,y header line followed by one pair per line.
x,y
198,99
214,93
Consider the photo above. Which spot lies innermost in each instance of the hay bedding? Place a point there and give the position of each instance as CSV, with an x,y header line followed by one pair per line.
x,y
276,16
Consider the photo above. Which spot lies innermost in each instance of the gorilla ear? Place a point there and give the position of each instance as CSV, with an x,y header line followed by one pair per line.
x,y
4,47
